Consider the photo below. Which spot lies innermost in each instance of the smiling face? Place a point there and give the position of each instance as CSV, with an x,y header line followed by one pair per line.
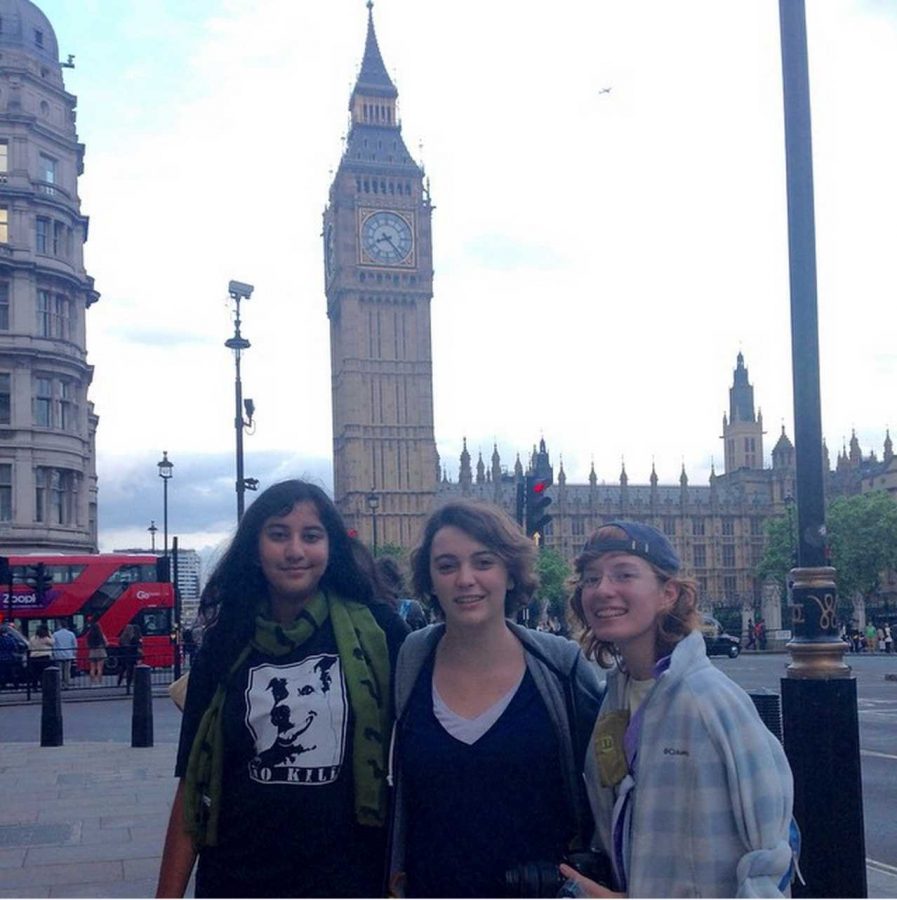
x,y
470,581
293,552
623,600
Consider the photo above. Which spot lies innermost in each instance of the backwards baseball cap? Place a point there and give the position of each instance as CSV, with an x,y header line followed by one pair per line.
x,y
642,540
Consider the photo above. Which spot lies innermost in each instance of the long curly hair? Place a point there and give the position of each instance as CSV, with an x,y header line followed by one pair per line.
x,y
678,621
229,601
493,528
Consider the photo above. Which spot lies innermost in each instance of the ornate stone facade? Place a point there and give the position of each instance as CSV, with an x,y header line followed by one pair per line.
x,y
717,528
378,264
48,484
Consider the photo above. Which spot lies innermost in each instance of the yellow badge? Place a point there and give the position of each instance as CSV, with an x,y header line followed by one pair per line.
x,y
609,751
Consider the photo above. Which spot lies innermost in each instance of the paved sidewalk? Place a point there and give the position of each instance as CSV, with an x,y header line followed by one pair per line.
x,y
89,819
83,820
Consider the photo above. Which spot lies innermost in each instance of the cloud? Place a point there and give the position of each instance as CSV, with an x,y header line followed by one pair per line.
x,y
201,494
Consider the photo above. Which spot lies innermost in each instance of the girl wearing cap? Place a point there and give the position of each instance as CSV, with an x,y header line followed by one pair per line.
x,y
692,794
492,718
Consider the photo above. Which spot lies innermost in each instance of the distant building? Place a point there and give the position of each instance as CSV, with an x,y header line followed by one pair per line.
x,y
718,528
48,484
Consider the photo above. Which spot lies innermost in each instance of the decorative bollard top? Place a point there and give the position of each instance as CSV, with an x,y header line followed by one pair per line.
x,y
816,649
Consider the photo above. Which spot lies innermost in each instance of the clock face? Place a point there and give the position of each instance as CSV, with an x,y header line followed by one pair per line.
x,y
387,238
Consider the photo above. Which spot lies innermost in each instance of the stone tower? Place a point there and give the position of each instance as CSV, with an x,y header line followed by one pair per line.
x,y
742,429
47,424
378,277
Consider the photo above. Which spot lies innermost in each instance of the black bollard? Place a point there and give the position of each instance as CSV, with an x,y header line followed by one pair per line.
x,y
142,716
51,708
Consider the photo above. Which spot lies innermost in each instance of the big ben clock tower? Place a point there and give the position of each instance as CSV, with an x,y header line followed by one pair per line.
x,y
378,276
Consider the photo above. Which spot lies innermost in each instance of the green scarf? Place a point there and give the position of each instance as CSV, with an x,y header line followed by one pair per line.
x,y
363,654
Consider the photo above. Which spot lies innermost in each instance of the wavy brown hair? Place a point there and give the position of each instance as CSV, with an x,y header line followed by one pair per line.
x,y
680,620
493,528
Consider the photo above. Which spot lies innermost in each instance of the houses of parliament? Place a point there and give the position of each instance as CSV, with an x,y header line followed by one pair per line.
x,y
378,270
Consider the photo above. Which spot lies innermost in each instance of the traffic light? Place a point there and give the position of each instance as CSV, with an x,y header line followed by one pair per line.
x,y
537,501
39,579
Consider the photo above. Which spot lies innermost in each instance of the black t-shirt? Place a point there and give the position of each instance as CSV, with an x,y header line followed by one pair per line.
x,y
287,826
474,811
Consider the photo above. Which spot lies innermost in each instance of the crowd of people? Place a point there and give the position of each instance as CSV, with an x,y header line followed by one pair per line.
x,y
468,757
876,637
23,660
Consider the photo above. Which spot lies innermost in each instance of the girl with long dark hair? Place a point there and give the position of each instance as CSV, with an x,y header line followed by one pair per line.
x,y
283,749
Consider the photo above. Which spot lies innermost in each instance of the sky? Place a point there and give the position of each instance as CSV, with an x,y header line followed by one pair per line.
x,y
609,229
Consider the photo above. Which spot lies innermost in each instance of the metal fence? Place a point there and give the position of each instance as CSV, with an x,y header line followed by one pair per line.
x,y
22,674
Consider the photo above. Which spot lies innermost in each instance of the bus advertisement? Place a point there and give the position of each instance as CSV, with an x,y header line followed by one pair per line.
x,y
114,589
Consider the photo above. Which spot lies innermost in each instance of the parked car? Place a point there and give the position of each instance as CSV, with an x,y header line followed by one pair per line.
x,y
717,642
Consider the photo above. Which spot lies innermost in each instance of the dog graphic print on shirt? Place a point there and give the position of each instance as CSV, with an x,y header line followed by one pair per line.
x,y
297,715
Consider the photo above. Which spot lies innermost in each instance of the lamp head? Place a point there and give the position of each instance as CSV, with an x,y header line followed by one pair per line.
x,y
165,466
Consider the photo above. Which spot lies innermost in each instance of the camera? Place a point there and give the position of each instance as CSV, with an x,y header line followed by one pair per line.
x,y
240,289
544,879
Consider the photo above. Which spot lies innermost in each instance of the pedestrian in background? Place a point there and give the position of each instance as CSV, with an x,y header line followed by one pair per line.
x,y
889,641
492,718
692,794
284,742
871,638
40,653
392,579
64,646
96,652
189,646
130,643
12,657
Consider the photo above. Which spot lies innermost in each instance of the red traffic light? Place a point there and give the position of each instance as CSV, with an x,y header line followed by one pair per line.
x,y
539,486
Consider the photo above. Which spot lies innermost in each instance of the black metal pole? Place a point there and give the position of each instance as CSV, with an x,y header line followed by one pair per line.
x,y
165,516
238,427
238,343
142,710
819,695
51,708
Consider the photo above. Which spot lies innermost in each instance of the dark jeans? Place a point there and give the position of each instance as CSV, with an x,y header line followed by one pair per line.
x,y
38,664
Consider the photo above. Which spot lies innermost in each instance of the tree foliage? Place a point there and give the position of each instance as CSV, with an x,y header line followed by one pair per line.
x,y
862,534
778,557
394,550
553,573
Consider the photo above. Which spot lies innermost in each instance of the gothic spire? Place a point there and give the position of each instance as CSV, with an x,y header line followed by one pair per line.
x,y
373,79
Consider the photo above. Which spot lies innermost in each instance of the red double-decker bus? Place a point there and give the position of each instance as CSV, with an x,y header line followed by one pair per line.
x,y
115,589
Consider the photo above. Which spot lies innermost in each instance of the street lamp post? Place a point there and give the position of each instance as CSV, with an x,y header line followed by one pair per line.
x,y
240,291
373,501
152,530
819,698
165,472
